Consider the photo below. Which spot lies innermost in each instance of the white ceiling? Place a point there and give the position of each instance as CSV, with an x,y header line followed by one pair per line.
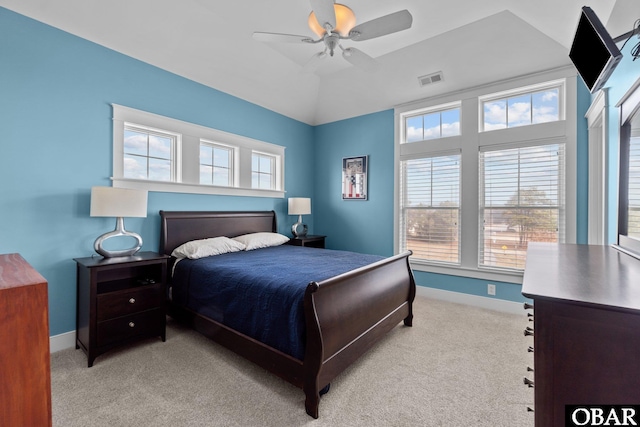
x,y
209,41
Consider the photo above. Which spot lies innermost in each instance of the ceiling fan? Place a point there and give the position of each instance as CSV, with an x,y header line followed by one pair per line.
x,y
334,22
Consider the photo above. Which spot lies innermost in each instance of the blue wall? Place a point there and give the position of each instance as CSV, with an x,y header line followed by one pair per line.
x,y
356,225
56,143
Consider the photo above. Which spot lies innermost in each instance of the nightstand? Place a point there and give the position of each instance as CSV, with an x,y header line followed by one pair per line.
x,y
311,241
119,300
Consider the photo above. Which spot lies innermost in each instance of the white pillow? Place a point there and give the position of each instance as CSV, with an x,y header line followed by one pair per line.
x,y
207,247
261,240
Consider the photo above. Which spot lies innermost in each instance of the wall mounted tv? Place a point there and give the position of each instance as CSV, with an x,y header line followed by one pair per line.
x,y
593,52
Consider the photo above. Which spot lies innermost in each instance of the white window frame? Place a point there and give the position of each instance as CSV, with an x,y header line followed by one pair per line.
x,y
559,206
233,167
188,156
428,111
176,143
471,140
272,170
402,235
526,90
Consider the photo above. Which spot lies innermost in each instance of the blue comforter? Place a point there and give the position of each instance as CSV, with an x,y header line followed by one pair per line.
x,y
260,293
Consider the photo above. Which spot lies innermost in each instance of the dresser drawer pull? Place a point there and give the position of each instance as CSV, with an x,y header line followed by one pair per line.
x,y
132,300
529,409
529,369
131,324
528,382
528,306
530,349
528,331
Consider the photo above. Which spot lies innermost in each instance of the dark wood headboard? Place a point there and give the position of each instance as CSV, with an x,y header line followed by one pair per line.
x,y
178,227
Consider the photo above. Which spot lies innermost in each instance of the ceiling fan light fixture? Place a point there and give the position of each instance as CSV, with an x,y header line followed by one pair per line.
x,y
345,21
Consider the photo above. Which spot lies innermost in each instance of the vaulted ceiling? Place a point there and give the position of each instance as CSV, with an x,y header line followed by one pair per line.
x,y
210,41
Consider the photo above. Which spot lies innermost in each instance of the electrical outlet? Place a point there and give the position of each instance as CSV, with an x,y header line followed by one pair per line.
x,y
491,289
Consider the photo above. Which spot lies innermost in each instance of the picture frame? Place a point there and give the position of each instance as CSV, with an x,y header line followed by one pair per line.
x,y
355,178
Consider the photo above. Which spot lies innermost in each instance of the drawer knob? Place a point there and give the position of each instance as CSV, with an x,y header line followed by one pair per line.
x,y
528,306
528,331
131,324
132,300
530,349
528,382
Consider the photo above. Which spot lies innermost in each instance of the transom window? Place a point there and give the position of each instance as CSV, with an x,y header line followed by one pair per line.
x,y
216,164
521,201
158,153
148,153
515,109
432,125
262,171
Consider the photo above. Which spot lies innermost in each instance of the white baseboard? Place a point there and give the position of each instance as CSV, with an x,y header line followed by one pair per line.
x,y
68,339
473,300
62,341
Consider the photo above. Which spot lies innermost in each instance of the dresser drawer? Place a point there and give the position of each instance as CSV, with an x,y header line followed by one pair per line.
x,y
129,301
121,329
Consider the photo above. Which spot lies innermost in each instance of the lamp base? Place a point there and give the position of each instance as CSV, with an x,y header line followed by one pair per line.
x,y
299,229
119,231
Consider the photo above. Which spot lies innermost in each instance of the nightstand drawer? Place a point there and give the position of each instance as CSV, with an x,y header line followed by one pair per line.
x,y
125,327
129,301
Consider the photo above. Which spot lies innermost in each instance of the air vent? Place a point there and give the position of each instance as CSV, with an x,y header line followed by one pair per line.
x,y
430,78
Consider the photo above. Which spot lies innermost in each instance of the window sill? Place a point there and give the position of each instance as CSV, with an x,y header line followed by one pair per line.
x,y
181,187
474,273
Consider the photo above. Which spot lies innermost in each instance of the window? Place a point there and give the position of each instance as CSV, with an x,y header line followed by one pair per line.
x,y
430,208
629,179
634,188
262,171
216,164
516,185
433,125
521,201
157,153
521,109
148,153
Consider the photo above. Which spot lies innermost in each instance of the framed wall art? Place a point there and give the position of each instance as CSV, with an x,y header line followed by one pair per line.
x,y
354,177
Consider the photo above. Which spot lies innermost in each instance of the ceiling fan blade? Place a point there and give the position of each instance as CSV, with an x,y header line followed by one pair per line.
x,y
313,63
325,13
281,38
360,59
382,26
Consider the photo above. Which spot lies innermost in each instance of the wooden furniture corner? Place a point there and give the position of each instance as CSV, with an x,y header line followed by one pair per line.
x,y
25,365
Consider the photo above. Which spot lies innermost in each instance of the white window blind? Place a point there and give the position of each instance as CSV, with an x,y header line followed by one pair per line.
x,y
430,208
521,201
634,188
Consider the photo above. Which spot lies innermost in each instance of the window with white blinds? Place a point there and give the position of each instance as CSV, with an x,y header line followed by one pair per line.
x,y
430,208
521,201
633,229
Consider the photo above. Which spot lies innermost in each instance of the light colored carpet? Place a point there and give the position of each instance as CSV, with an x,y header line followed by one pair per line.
x,y
457,366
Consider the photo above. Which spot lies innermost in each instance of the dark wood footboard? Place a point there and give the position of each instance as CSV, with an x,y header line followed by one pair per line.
x,y
347,314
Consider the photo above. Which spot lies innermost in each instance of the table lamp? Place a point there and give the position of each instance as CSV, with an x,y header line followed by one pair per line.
x,y
119,203
299,206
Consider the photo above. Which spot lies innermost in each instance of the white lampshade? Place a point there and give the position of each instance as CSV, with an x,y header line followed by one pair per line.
x,y
118,202
299,206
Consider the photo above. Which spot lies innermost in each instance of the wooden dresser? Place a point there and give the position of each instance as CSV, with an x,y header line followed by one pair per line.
x,y
25,376
586,334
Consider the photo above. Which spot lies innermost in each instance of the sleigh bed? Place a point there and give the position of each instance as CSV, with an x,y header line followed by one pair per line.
x,y
340,316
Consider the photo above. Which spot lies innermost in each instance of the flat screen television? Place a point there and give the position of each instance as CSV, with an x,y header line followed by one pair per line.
x,y
593,52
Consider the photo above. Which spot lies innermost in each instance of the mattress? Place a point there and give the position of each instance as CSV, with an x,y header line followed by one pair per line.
x,y
260,293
